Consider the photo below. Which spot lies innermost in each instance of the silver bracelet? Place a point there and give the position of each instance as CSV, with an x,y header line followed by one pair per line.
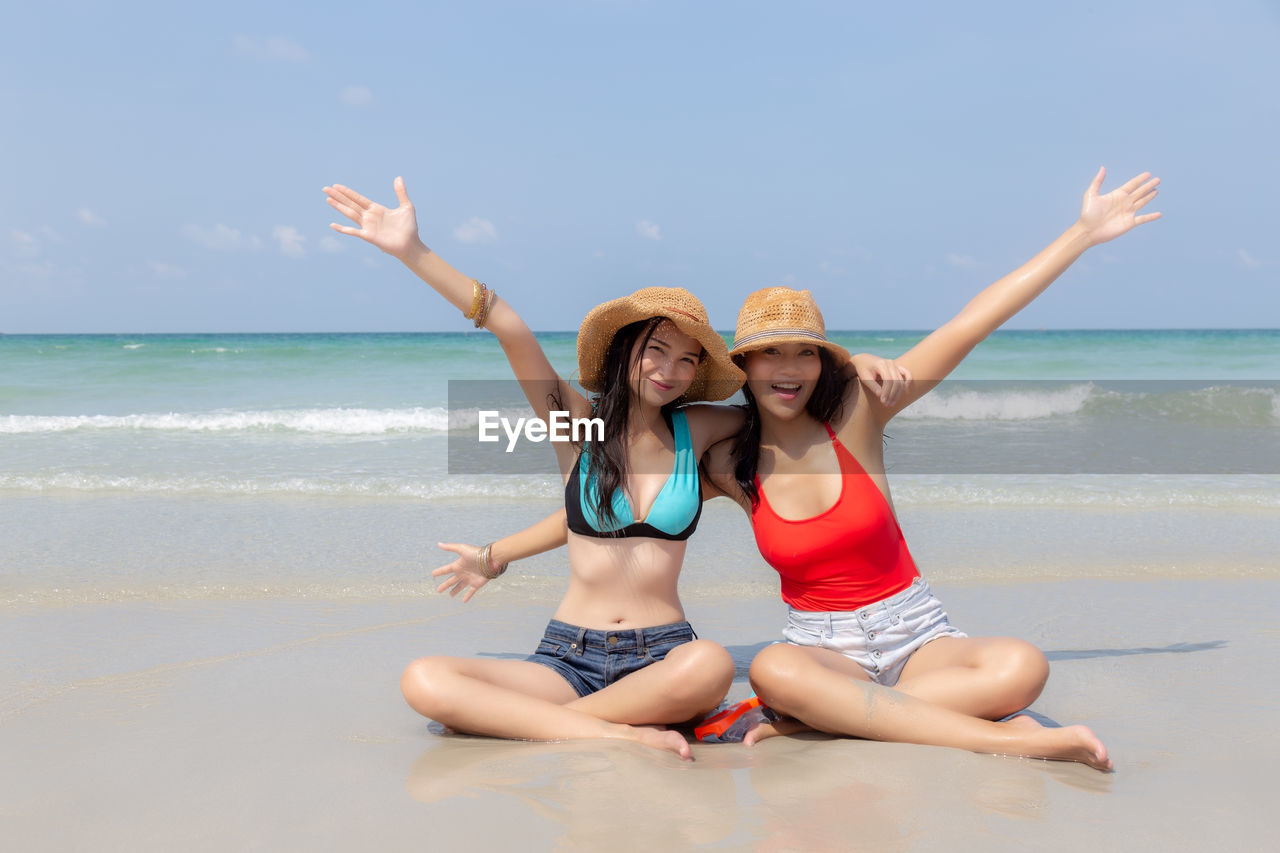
x,y
485,568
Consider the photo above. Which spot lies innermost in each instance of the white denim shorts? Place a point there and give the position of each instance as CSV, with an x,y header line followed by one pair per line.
x,y
879,637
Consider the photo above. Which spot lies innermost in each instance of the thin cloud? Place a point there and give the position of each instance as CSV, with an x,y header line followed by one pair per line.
x,y
1247,260
648,230
160,269
859,253
220,238
962,261
356,96
44,270
290,241
272,49
475,230
330,244
88,217
28,245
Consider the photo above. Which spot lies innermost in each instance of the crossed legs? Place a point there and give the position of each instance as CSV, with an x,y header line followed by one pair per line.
x,y
944,698
528,701
987,677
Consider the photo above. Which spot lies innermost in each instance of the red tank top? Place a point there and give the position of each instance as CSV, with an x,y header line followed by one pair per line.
x,y
850,555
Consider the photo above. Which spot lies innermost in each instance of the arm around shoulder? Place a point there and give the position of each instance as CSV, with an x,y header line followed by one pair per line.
x,y
711,423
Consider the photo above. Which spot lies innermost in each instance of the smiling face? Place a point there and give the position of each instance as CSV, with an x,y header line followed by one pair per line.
x,y
664,366
782,377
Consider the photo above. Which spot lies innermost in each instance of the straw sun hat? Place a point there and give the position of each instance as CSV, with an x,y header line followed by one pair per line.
x,y
717,377
780,315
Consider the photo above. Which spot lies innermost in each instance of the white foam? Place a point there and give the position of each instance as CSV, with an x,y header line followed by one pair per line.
x,y
339,421
1260,492
1240,492
442,488
1000,405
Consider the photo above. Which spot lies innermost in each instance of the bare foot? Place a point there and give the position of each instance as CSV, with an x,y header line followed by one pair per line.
x,y
663,739
766,729
1070,743
1086,748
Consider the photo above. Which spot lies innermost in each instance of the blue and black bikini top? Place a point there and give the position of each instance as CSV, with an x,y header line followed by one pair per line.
x,y
675,511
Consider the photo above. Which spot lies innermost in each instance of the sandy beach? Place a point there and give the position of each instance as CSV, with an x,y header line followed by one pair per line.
x,y
265,281
215,557
276,723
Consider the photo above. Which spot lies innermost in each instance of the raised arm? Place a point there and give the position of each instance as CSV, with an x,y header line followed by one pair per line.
x,y
466,575
396,233
1102,218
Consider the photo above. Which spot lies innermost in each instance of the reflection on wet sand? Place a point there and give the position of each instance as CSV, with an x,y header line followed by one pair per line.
x,y
808,792
603,794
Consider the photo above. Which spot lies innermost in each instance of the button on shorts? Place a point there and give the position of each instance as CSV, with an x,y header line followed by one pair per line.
x,y
592,660
879,637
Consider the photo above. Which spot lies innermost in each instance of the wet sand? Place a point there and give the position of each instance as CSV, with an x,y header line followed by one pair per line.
x,y
277,724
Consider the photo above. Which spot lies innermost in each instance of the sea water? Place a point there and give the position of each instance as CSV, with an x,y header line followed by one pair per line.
x,y
313,464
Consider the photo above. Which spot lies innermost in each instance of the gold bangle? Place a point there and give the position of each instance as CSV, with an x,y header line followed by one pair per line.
x,y
483,316
477,290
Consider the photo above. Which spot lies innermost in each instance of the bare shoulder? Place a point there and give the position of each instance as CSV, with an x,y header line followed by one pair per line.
x,y
710,423
862,418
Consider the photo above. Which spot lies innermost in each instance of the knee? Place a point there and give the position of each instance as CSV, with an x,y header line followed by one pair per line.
x,y
703,674
1024,669
775,673
424,685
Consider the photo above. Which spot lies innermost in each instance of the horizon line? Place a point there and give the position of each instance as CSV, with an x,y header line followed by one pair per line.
x,y
723,332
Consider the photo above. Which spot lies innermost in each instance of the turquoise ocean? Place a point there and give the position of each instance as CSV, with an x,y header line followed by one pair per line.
x,y
303,465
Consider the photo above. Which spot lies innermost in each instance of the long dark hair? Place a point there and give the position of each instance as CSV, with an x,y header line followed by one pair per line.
x,y
613,406
824,405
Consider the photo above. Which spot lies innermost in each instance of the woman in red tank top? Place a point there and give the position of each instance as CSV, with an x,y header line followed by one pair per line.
x,y
870,652
809,470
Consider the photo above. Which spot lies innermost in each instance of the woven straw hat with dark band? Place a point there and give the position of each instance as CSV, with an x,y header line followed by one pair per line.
x,y
780,315
717,378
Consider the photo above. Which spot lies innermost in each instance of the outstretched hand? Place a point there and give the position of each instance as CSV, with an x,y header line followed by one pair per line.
x,y
463,573
392,231
1106,217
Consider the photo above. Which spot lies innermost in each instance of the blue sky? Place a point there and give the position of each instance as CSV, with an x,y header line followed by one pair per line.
x,y
163,162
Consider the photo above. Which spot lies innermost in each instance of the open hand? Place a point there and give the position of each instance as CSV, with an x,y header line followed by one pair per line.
x,y
1106,217
392,231
463,573
885,378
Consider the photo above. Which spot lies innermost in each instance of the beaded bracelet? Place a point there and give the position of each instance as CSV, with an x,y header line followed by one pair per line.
x,y
483,316
479,313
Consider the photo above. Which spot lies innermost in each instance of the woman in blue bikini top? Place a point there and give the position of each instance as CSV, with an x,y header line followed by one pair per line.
x,y
674,513
636,503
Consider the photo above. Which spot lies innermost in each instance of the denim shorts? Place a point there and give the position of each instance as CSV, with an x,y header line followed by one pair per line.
x,y
592,660
879,637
